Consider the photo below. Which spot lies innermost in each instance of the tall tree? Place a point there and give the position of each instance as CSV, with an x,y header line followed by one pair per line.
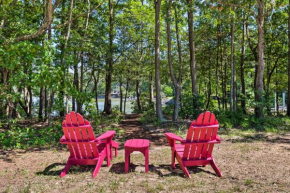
x,y
233,102
288,104
192,51
176,83
259,87
109,66
157,60
62,60
243,51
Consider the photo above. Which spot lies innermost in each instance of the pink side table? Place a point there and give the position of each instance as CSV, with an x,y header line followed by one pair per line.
x,y
141,145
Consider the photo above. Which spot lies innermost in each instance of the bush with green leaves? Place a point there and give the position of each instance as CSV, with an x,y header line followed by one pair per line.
x,y
190,105
145,103
228,120
149,117
25,137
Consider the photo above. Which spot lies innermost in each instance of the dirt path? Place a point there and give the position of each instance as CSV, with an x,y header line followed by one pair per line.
x,y
134,130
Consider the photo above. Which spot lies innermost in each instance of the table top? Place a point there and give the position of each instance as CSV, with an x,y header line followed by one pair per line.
x,y
137,143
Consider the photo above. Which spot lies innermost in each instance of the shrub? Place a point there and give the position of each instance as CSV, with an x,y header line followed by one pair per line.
x,y
24,137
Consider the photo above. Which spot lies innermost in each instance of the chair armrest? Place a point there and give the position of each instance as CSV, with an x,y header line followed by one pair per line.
x,y
218,138
108,135
62,138
115,145
172,136
171,139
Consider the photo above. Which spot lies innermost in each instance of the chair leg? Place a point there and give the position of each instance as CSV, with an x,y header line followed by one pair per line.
x,y
115,146
98,166
108,155
111,152
173,160
66,168
183,167
215,168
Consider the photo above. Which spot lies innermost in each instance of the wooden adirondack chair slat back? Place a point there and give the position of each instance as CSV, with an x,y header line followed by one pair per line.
x,y
76,129
199,132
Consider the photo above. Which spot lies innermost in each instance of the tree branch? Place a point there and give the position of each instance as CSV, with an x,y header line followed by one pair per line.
x,y
48,21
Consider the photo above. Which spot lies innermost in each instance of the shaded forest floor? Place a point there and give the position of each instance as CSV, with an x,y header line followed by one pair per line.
x,y
249,162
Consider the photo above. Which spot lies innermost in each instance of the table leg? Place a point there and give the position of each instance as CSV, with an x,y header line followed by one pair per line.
x,y
147,160
111,151
127,160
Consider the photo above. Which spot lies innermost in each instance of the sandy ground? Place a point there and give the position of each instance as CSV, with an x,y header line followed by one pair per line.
x,y
257,164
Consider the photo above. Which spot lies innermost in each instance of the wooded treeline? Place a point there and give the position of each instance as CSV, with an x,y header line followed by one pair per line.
x,y
62,55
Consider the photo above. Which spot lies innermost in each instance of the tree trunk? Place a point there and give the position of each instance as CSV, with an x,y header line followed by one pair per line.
x,y
96,82
121,96
217,68
209,82
157,61
45,103
233,100
46,88
127,88
138,94
288,102
50,104
259,86
243,102
63,67
109,69
192,54
222,71
177,86
277,102
269,76
41,100
179,82
151,94
80,101
225,79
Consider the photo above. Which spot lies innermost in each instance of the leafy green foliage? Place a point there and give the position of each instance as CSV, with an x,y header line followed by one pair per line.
x,y
190,105
149,117
25,137
230,120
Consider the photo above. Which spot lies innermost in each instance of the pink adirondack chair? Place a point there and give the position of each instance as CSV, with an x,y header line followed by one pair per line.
x,y
84,148
196,149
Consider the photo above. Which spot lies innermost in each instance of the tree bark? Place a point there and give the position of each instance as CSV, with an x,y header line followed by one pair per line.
x,y
233,100
225,78
80,101
41,100
171,70
259,87
121,96
192,50
217,67
151,94
288,102
178,88
243,52
96,82
209,81
157,61
109,68
127,88
50,104
138,94
63,67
